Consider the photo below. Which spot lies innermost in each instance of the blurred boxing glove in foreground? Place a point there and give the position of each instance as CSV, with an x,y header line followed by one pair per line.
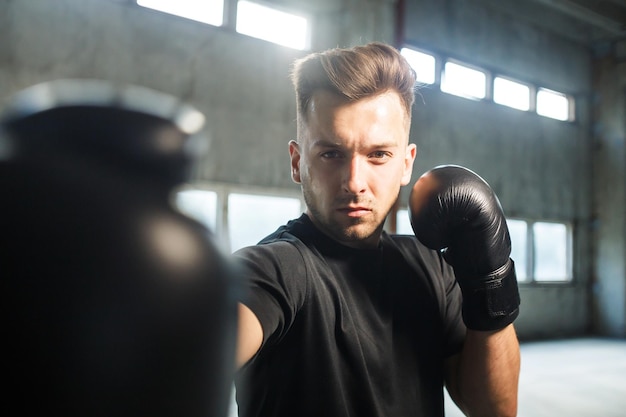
x,y
115,303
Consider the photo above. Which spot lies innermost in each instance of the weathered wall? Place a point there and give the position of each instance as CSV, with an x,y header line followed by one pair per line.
x,y
609,191
241,84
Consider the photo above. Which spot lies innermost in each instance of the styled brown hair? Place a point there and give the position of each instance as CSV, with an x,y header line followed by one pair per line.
x,y
354,73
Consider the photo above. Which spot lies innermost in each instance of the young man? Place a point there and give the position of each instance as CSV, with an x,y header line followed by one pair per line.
x,y
342,319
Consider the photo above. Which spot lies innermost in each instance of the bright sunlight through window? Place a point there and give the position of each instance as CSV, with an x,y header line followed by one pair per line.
x,y
511,93
403,223
200,205
422,63
552,104
205,11
247,226
272,25
518,230
551,252
463,81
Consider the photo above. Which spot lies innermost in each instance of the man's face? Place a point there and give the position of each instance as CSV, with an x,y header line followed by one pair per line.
x,y
351,159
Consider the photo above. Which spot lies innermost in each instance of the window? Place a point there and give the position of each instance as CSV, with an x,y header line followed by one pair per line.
x,y
200,205
272,25
511,93
552,104
518,230
472,82
551,247
205,11
463,81
422,63
403,223
236,218
252,217
541,250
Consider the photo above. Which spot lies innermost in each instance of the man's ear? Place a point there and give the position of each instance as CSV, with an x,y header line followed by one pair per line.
x,y
294,153
409,158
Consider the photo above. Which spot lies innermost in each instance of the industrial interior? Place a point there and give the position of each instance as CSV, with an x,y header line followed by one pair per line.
x,y
559,172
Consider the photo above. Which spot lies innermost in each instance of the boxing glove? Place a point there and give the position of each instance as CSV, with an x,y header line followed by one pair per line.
x,y
455,211
115,303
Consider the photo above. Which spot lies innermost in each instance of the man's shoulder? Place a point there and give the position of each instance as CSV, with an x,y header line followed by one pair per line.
x,y
293,231
409,245
284,246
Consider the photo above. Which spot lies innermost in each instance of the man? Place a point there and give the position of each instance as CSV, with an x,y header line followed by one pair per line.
x,y
342,319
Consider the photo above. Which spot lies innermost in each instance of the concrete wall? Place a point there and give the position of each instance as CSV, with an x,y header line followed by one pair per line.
x,y
609,191
540,168
241,84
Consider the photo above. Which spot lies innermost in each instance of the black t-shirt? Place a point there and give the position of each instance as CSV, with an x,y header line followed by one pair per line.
x,y
347,332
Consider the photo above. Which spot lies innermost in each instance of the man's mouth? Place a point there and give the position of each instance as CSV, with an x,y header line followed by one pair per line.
x,y
355,211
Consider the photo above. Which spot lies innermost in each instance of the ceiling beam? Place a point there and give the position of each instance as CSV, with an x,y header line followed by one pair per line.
x,y
586,15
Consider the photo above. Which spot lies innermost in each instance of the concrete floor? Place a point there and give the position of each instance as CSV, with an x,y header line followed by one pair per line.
x,y
570,378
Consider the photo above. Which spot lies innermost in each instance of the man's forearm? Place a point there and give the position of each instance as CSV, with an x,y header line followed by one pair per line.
x,y
488,373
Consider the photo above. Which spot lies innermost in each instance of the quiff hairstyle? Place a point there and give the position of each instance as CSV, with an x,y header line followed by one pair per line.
x,y
354,73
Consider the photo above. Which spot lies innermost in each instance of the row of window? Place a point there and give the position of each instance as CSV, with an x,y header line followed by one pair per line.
x,y
253,19
471,82
541,250
293,30
238,219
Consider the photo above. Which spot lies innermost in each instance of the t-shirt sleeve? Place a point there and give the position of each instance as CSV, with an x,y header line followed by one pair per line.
x,y
274,277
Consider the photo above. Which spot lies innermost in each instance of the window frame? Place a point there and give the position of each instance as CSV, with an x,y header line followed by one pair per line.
x,y
529,262
436,67
229,235
485,72
279,8
229,19
568,97
223,191
531,96
222,24
491,74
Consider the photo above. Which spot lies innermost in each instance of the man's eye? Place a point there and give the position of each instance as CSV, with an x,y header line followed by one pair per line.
x,y
380,155
331,154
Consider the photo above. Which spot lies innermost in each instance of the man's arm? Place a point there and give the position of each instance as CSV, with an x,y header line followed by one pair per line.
x,y
455,211
249,336
483,379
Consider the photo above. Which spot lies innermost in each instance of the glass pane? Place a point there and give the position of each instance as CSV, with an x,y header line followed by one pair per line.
x,y
550,241
403,224
200,205
422,63
463,81
252,217
552,104
518,230
272,25
510,93
205,11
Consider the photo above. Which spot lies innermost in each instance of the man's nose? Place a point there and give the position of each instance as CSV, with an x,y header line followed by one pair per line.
x,y
355,171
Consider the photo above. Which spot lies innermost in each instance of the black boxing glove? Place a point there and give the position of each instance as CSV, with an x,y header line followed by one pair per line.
x,y
455,211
